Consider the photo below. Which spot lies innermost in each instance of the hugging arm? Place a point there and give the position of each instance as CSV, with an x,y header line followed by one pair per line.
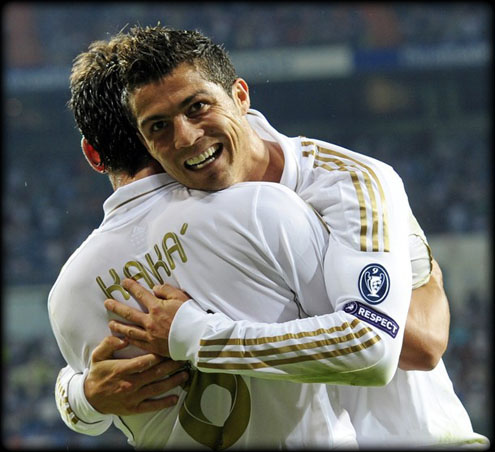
x,y
88,400
427,326
341,346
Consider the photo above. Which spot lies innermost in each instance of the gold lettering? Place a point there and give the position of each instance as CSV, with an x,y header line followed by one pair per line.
x,y
176,247
159,263
115,286
183,229
138,270
141,274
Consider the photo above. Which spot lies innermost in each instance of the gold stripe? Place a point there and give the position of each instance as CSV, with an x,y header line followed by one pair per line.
x,y
284,337
380,190
342,166
362,210
360,195
73,419
281,350
297,359
60,388
63,398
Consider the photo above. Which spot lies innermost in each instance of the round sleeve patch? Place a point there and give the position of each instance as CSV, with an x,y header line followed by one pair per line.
x,y
374,283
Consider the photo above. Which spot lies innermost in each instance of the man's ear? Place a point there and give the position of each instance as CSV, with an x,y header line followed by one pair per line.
x,y
240,94
92,156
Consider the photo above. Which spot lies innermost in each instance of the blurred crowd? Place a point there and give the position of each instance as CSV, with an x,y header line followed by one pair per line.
x,y
52,199
446,196
244,25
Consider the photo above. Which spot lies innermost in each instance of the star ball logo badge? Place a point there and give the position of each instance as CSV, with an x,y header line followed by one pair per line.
x,y
351,307
374,283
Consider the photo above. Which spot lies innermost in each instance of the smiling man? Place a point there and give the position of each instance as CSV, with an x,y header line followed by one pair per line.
x,y
193,115
199,133
208,127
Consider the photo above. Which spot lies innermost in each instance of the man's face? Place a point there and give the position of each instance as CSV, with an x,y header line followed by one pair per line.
x,y
197,132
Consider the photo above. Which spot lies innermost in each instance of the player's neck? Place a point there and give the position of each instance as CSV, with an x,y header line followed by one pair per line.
x,y
276,162
119,179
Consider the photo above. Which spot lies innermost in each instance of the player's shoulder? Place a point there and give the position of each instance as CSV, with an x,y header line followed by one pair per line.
x,y
361,198
271,188
324,154
265,194
256,203
83,259
330,164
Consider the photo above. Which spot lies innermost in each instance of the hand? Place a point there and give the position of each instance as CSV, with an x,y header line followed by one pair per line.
x,y
150,330
127,386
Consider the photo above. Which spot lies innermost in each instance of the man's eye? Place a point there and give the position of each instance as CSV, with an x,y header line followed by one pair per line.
x,y
159,125
196,107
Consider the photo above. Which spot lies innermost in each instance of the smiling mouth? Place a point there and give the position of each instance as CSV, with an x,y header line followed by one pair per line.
x,y
205,158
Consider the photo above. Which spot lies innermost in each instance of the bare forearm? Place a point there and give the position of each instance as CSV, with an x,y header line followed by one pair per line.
x,y
427,327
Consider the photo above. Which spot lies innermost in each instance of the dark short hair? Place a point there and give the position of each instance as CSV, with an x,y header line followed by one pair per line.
x,y
147,54
96,92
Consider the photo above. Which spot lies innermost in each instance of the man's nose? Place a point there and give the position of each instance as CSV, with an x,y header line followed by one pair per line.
x,y
186,132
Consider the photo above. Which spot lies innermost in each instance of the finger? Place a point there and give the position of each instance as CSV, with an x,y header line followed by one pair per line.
x,y
157,404
130,332
166,291
124,311
106,348
139,293
160,371
163,386
137,364
150,348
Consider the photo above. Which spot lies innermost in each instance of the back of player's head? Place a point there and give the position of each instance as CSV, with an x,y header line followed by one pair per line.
x,y
148,54
96,91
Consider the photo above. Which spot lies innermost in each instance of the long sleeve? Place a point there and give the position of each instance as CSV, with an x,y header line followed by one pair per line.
x,y
332,348
73,407
342,344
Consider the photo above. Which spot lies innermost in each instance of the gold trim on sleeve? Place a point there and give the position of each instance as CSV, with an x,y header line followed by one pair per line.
x,y
325,158
296,359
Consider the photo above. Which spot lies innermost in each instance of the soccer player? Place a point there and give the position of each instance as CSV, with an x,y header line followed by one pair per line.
x,y
313,152
155,230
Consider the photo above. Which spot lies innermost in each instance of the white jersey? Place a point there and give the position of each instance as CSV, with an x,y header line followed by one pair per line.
x,y
236,251
311,169
343,338
357,234
367,267
416,407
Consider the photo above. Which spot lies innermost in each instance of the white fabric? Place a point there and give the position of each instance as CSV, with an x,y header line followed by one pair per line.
x,y
415,408
235,252
74,407
305,172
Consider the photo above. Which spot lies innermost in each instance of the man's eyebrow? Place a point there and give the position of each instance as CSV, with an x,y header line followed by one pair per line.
x,y
183,104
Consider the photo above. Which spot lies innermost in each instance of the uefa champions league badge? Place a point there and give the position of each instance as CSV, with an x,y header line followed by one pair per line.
x,y
374,283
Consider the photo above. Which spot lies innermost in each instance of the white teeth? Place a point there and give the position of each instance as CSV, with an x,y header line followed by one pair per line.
x,y
195,161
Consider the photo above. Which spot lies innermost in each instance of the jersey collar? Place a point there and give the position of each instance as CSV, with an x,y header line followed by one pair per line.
x,y
124,195
262,127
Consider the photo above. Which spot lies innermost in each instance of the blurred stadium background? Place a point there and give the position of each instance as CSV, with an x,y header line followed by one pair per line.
x,y
409,83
